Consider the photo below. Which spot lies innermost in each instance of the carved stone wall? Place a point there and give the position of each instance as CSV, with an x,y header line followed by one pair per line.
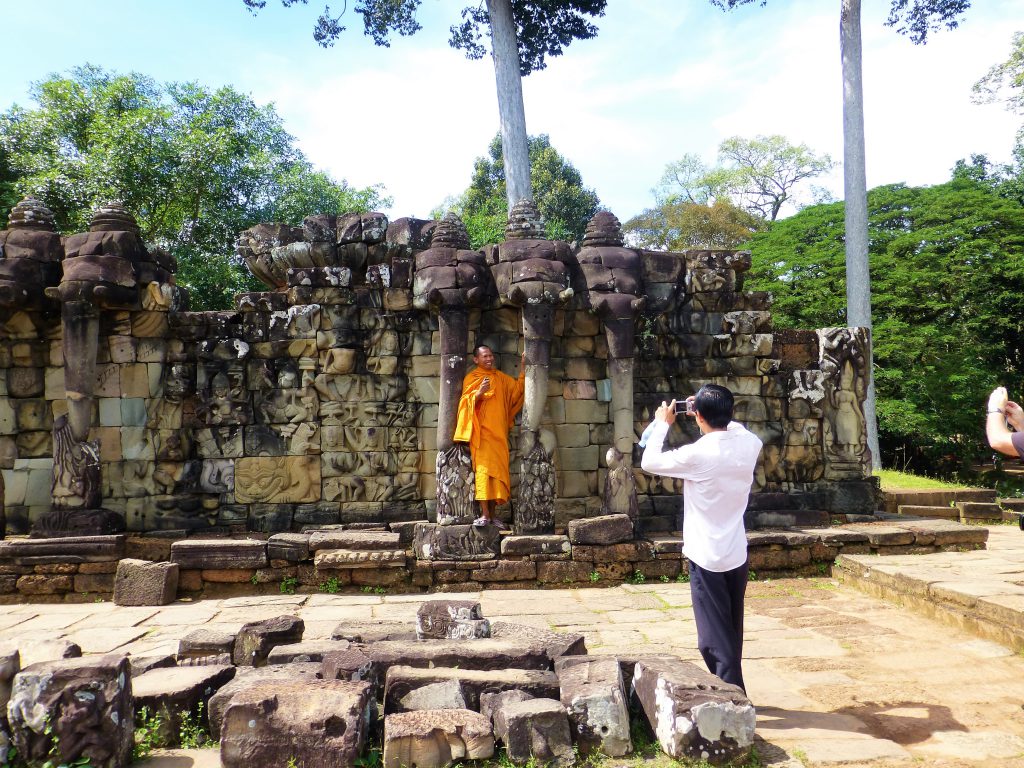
x,y
316,402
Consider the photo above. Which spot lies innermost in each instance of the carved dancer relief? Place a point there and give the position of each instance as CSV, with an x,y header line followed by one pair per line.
x,y
456,484
620,487
534,513
843,361
76,469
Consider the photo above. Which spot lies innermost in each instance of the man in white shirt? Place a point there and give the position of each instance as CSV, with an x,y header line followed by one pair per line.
x,y
718,470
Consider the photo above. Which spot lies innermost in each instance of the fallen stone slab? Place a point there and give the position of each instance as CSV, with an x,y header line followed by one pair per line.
x,y
171,692
456,542
452,620
601,530
942,533
882,535
307,650
142,664
213,660
74,709
206,642
492,702
523,546
537,729
592,693
246,677
337,559
447,694
219,553
293,547
314,724
35,651
140,582
482,654
374,631
10,665
350,664
555,643
917,510
694,715
400,681
257,638
979,510
66,549
435,739
627,663
355,540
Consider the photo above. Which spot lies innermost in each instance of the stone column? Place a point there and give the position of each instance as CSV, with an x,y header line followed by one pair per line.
x,y
450,279
532,273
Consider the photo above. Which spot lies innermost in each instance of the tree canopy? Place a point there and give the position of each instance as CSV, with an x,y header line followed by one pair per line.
x,y
679,224
543,27
195,166
914,18
947,276
564,202
759,175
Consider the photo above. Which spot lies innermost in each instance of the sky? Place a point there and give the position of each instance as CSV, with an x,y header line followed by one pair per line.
x,y
662,79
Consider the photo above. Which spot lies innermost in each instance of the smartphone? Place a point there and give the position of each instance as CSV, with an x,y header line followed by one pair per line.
x,y
684,406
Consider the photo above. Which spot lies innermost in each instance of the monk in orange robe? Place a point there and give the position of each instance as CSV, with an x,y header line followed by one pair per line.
x,y
487,410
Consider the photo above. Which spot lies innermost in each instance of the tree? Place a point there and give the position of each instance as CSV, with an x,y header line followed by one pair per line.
x,y
523,34
916,19
564,202
1005,81
195,167
759,174
947,275
680,224
8,193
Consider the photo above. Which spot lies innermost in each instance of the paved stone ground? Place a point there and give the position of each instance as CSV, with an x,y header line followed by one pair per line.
x,y
838,676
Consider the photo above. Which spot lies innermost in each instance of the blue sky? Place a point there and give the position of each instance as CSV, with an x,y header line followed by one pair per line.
x,y
662,79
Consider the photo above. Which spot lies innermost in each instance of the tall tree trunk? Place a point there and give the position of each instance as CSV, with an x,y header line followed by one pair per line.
x,y
858,279
514,144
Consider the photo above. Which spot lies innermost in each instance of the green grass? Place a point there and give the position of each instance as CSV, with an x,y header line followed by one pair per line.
x,y
893,480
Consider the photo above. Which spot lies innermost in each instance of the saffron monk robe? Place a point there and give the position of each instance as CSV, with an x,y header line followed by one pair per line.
x,y
487,410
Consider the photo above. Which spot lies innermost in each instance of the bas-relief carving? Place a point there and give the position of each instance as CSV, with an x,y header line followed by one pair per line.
x,y
76,469
361,388
287,406
382,352
620,487
456,486
843,361
226,401
399,487
277,479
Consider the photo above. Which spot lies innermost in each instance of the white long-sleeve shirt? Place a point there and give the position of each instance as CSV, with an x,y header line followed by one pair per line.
x,y
717,470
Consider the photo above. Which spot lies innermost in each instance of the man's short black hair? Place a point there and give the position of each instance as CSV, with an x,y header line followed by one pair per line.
x,y
714,403
478,347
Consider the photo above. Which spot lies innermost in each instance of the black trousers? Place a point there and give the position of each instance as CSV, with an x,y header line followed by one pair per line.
x,y
718,609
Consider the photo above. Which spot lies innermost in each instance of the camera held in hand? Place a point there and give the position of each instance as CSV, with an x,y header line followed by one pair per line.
x,y
685,406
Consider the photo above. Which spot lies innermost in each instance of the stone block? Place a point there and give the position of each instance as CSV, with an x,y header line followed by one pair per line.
x,y
507,570
586,411
354,540
348,664
586,458
37,651
436,739
337,559
314,723
694,715
564,572
206,642
401,680
522,546
592,693
555,644
139,582
490,703
256,639
219,553
74,710
537,729
602,530
484,654
307,650
451,619
247,677
170,692
374,631
292,547
456,542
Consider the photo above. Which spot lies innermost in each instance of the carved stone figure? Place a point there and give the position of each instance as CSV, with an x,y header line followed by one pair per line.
x,y
76,469
843,362
30,256
620,487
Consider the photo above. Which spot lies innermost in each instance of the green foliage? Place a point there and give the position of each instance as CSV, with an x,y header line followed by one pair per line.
x,y
193,732
594,577
194,165
373,758
564,202
676,225
374,590
947,276
331,587
913,18
636,577
147,733
288,585
1005,81
543,27
758,175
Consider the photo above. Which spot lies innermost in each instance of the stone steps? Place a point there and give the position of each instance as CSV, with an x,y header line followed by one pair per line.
x,y
922,510
977,511
942,497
